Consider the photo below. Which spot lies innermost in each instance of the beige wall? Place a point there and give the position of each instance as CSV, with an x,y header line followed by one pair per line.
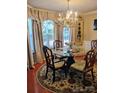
x,y
89,33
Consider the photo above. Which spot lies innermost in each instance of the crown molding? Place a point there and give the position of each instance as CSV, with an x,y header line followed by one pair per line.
x,y
40,9
89,13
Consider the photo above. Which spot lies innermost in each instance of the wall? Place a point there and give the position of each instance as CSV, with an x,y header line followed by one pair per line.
x,y
89,33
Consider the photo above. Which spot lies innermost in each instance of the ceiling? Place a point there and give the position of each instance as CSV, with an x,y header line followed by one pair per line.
x,y
61,5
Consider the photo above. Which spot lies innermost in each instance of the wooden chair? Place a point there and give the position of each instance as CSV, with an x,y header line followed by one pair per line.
x,y
94,44
57,44
87,64
52,63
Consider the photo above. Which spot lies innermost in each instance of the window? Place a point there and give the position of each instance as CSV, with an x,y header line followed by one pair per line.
x,y
30,33
66,35
48,33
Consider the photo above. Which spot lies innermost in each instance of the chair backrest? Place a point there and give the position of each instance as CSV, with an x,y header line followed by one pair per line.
x,y
48,56
90,59
94,44
57,44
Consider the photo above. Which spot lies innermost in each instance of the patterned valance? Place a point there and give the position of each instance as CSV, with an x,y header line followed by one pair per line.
x,y
41,14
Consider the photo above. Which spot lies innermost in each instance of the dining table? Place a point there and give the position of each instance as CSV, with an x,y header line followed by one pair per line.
x,y
65,53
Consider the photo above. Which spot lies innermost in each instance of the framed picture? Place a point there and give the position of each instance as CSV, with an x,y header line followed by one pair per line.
x,y
79,32
95,25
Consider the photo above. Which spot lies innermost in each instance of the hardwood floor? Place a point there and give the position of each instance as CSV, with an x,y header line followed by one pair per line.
x,y
32,85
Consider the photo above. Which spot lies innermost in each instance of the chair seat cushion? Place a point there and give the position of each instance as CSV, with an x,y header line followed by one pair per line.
x,y
57,59
81,53
79,65
59,64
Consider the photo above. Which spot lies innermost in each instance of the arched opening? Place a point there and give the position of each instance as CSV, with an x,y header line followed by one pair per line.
x,y
66,35
48,33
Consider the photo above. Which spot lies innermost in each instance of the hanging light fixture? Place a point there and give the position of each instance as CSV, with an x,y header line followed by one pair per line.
x,y
68,18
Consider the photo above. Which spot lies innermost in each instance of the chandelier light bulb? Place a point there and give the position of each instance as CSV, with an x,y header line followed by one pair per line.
x,y
59,15
70,12
75,14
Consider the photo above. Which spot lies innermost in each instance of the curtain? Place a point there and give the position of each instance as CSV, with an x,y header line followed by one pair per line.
x,y
30,60
56,28
41,14
37,16
73,30
37,34
60,33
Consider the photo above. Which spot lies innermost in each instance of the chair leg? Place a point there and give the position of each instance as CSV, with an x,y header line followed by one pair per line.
x,y
92,74
46,71
65,70
84,76
53,76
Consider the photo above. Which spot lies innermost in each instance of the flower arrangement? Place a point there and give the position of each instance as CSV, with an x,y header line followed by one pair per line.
x,y
69,44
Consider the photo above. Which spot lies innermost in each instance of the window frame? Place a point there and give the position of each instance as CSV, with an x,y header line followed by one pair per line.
x,y
69,37
49,43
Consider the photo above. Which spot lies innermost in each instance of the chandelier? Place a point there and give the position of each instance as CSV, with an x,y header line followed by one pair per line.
x,y
68,18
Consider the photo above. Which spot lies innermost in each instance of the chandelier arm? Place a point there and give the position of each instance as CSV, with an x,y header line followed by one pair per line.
x,y
69,18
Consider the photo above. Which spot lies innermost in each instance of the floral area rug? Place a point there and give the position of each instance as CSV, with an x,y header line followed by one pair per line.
x,y
73,83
